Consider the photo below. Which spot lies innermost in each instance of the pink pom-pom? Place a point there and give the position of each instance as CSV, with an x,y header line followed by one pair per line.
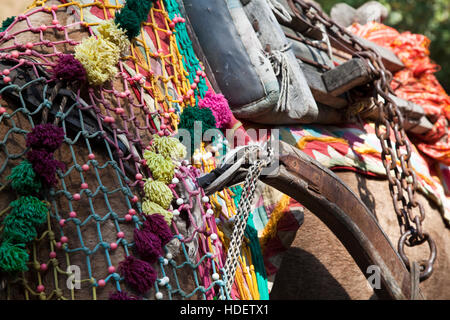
x,y
157,224
219,107
148,244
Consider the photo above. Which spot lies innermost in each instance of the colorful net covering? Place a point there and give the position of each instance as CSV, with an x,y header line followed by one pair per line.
x,y
104,188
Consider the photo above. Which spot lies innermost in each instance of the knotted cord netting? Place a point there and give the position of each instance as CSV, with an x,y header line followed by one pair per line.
x,y
97,201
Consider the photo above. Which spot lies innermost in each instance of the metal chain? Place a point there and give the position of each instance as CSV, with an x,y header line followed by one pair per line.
x,y
396,155
243,212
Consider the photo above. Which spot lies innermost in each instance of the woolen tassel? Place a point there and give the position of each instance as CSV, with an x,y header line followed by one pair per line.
x,y
24,180
140,7
219,107
150,208
99,58
110,31
29,208
69,69
169,147
139,274
190,116
128,20
45,136
121,295
157,224
18,230
148,245
44,165
13,257
158,192
162,169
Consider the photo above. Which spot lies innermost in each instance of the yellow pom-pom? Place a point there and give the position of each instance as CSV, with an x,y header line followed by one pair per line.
x,y
158,192
111,32
149,207
162,169
169,147
99,57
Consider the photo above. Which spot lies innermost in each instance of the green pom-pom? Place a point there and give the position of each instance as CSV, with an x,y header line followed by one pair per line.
x,y
191,115
168,147
6,23
29,208
162,169
158,192
129,21
24,180
18,229
13,257
140,7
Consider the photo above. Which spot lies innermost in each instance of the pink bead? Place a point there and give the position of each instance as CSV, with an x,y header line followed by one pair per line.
x,y
135,199
62,222
171,110
54,7
183,20
161,133
101,283
43,27
138,76
84,186
85,167
52,255
2,110
193,86
109,119
55,22
111,269
128,217
72,214
143,161
76,197
91,156
203,75
122,94
15,54
29,45
6,79
44,267
197,80
132,212
28,53
6,72
113,245
64,239
190,92
40,288
172,25
139,176
169,33
199,72
120,234
58,245
163,126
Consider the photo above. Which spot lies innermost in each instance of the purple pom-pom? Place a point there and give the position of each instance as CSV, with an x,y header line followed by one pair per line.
x,y
219,107
69,68
45,136
148,244
45,165
139,274
121,295
158,225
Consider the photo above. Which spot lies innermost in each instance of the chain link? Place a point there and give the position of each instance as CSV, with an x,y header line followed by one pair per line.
x,y
243,212
395,155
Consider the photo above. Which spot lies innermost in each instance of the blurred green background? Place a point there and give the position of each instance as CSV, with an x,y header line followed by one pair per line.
x,y
428,17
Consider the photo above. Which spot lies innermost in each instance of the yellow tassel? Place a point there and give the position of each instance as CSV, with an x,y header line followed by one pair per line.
x,y
162,169
111,32
169,147
270,229
158,192
99,57
149,208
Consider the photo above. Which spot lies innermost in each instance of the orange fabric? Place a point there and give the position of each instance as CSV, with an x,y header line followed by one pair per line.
x,y
416,83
